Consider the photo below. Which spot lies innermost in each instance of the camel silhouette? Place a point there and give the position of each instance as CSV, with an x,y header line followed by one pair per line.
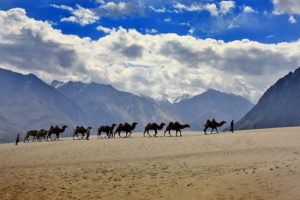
x,y
41,135
82,130
107,129
175,126
32,133
57,131
126,128
213,125
153,126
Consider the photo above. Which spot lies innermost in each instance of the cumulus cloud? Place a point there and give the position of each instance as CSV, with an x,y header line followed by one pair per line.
x,y
105,29
143,63
292,20
248,9
81,15
151,30
212,8
286,6
64,7
120,9
85,16
226,6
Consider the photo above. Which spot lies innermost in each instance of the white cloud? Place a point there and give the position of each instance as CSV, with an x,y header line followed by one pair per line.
x,y
292,20
191,31
85,16
63,7
105,30
212,8
81,15
101,1
120,9
170,64
158,10
151,31
286,6
167,19
248,9
226,6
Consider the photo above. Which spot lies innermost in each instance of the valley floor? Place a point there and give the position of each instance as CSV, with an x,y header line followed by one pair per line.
x,y
255,164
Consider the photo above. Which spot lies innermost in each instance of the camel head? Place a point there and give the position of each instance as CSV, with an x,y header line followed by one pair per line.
x,y
89,128
187,126
223,122
134,124
64,127
162,124
113,125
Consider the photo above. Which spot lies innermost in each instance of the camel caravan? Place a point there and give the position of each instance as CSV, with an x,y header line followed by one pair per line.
x,y
114,129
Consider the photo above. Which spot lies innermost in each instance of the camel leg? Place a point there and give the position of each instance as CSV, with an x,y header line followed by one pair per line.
x,y
165,133
170,133
119,133
129,134
217,130
205,131
180,133
176,132
49,136
57,137
154,133
144,133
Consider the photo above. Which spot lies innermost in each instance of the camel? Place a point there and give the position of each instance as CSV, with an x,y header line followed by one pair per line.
x,y
213,125
41,134
56,130
82,130
32,133
107,129
153,126
125,127
175,126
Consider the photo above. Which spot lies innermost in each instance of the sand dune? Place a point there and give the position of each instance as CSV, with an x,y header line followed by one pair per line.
x,y
255,164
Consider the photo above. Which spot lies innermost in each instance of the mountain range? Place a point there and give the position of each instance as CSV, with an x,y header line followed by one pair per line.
x,y
26,102
278,107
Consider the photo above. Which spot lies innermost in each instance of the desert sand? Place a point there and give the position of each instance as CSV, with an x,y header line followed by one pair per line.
x,y
254,164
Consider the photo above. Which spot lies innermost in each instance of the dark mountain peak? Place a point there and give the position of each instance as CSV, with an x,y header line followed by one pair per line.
x,y
212,91
279,106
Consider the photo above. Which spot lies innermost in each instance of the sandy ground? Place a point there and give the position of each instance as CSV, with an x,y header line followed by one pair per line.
x,y
259,164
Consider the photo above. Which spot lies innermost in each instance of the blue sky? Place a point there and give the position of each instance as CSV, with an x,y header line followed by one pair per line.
x,y
155,48
154,17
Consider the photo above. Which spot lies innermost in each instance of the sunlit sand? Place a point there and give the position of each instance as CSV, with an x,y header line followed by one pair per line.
x,y
255,164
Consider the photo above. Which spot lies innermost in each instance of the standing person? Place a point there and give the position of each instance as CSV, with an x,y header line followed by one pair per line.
x,y
231,125
17,139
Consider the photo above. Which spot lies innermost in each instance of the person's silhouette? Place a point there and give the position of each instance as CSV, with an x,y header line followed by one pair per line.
x,y
17,139
232,126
